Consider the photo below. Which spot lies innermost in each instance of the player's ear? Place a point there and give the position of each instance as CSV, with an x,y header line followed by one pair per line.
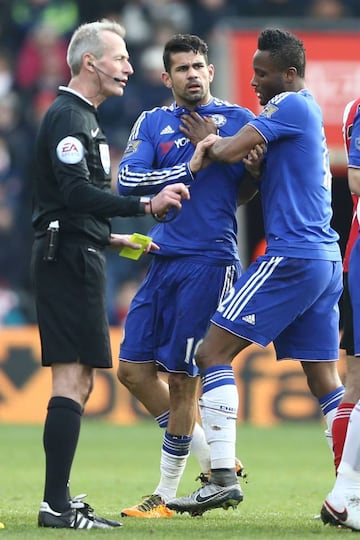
x,y
211,72
291,74
166,79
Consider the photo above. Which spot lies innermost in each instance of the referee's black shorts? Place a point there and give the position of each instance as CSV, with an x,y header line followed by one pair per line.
x,y
70,304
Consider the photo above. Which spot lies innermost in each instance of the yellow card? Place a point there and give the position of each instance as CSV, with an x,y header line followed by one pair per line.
x,y
137,238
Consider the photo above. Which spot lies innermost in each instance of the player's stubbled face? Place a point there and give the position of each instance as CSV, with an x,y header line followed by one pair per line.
x,y
268,80
190,78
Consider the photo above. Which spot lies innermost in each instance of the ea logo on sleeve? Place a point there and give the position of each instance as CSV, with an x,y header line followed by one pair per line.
x,y
70,150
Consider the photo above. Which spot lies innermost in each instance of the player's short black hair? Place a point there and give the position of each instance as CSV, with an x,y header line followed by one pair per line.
x,y
183,43
286,50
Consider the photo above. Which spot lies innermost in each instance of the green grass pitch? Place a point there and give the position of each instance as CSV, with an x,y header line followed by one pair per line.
x,y
289,473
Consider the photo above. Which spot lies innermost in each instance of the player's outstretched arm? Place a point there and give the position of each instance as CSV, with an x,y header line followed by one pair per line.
x,y
233,149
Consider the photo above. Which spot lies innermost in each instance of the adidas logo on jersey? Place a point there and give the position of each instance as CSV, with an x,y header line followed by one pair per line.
x,y
249,319
167,131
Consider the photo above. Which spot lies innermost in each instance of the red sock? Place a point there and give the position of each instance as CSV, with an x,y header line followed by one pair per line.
x,y
339,429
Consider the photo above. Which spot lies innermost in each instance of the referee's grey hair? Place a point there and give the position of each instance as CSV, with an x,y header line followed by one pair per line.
x,y
88,39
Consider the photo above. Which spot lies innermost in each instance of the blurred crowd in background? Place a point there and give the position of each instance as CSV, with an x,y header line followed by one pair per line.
x,y
33,39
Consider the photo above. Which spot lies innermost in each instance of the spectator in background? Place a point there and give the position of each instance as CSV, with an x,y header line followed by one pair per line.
x,y
40,103
206,14
7,37
273,8
175,12
6,73
329,9
109,9
11,312
14,242
151,91
15,131
148,23
41,60
26,15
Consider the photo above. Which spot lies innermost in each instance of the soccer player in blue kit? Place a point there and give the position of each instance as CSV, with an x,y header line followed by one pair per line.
x,y
290,295
196,265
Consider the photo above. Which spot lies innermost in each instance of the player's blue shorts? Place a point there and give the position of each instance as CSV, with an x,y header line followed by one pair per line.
x,y
354,289
171,311
290,302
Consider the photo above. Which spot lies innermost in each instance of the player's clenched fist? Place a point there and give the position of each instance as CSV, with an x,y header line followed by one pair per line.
x,y
170,196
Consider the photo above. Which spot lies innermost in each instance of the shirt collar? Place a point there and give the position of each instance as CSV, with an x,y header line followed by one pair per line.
x,y
75,93
180,109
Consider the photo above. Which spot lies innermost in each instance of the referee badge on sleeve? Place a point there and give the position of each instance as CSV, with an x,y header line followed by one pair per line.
x,y
70,150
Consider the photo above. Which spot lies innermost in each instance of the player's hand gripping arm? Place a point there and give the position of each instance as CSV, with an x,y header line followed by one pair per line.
x,y
253,162
199,159
197,127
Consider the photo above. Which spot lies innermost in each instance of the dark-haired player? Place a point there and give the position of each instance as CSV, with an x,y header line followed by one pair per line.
x,y
197,262
290,295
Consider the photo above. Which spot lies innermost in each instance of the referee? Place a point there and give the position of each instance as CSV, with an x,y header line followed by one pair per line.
x,y
73,205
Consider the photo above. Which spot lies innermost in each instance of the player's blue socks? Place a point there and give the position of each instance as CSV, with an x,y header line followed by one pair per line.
x,y
217,376
163,419
174,453
329,405
331,401
176,445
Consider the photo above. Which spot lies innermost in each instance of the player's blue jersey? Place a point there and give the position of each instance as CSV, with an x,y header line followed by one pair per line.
x,y
158,153
354,150
296,183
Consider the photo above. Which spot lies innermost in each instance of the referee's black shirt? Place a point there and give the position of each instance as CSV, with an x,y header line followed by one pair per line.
x,y
73,177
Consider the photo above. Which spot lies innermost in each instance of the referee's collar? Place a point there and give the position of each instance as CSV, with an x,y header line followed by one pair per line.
x,y
68,90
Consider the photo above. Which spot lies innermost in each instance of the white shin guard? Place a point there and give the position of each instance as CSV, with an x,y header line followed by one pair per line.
x,y
219,418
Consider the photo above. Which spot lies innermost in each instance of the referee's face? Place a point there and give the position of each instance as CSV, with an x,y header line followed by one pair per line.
x,y
189,79
113,69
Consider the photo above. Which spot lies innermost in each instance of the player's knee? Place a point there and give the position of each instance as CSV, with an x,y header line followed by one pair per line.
x,y
182,386
129,377
122,374
202,358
